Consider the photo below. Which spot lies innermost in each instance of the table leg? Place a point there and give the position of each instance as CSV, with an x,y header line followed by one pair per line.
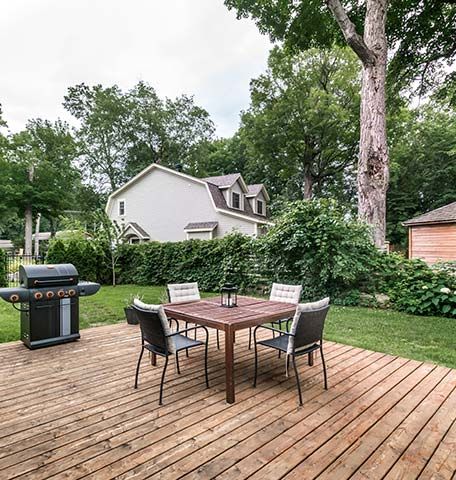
x,y
229,365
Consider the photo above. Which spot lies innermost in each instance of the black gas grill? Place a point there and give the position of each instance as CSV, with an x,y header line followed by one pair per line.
x,y
49,303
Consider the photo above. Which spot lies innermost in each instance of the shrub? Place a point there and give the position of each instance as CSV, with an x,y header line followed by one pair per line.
x,y
314,243
82,253
208,262
3,279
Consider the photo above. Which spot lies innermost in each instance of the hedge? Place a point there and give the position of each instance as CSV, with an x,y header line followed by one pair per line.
x,y
211,263
3,269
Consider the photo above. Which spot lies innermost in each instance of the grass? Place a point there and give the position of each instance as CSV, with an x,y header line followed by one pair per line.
x,y
430,339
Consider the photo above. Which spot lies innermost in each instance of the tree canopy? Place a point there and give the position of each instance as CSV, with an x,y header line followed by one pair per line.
x,y
121,133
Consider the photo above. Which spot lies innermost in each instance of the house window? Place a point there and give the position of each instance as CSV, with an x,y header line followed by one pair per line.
x,y
260,207
236,200
121,207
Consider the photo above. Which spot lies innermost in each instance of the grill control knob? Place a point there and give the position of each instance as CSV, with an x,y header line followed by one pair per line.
x,y
49,294
14,298
61,293
71,292
38,296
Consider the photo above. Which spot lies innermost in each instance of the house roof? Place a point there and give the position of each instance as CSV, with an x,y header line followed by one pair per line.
x,y
136,228
224,181
255,189
201,226
220,202
445,214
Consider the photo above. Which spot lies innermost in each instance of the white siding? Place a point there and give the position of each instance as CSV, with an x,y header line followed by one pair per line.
x,y
199,235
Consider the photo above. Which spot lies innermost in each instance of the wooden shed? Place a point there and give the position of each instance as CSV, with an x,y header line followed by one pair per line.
x,y
432,236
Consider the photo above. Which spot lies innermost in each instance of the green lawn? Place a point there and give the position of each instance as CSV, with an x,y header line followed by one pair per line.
x,y
430,339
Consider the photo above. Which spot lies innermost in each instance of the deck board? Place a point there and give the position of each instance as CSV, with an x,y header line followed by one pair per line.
x,y
70,412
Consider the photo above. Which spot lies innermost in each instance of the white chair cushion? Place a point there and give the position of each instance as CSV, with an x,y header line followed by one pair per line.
x,y
183,292
304,307
285,293
158,309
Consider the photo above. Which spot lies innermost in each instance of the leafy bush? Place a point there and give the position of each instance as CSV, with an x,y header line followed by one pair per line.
x,y
208,262
420,290
85,255
314,243
3,279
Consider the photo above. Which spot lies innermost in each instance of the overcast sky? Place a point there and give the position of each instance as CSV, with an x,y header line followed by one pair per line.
x,y
195,47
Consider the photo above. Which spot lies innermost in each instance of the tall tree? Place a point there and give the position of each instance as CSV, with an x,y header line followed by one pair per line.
x,y
301,129
37,173
121,133
416,35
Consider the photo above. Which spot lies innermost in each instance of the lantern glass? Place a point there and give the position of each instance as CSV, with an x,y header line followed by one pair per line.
x,y
228,296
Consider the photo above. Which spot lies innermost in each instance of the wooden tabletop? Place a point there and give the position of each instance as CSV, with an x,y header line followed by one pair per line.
x,y
249,312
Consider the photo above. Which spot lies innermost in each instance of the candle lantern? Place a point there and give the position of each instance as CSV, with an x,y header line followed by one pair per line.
x,y
228,296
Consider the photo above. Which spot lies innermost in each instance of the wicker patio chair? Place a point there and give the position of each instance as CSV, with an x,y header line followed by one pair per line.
x,y
157,338
285,294
305,337
185,292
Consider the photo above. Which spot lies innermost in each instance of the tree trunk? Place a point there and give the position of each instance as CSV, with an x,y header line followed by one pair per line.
x,y
307,187
373,173
36,250
28,230
28,233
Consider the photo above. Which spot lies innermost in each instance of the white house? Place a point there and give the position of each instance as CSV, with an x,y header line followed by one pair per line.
x,y
168,206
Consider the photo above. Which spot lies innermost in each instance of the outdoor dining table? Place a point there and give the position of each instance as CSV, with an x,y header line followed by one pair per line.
x,y
249,312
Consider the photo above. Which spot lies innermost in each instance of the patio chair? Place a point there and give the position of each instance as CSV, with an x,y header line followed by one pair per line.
x,y
305,337
285,294
158,339
185,292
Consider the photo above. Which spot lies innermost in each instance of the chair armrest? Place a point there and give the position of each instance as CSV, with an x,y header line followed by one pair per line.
x,y
187,330
274,330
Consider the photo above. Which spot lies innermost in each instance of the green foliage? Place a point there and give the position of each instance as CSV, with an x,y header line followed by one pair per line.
x,y
208,262
420,35
414,287
315,244
302,127
3,279
85,254
123,132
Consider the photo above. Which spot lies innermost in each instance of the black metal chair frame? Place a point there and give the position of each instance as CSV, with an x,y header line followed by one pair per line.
x,y
186,324
313,337
163,351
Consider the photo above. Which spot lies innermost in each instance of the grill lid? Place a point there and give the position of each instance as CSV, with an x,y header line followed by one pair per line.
x,y
37,276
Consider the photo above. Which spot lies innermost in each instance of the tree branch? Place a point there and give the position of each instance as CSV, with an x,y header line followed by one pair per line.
x,y
352,37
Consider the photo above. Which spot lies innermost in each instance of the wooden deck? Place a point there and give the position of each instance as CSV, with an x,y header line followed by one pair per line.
x,y
70,412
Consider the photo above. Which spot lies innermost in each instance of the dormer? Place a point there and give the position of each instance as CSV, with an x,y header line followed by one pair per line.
x,y
258,198
233,188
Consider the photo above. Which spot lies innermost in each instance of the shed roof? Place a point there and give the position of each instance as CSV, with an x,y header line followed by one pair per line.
x,y
445,214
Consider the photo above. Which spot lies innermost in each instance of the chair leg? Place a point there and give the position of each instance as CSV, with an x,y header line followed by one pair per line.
x,y
177,363
324,367
186,334
256,361
297,379
206,349
218,340
137,367
160,400
250,338
311,359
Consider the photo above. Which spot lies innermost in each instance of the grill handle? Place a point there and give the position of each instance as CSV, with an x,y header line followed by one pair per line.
x,y
58,281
